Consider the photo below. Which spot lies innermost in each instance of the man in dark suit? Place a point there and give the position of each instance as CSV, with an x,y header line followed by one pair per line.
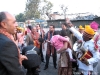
x,y
50,49
10,58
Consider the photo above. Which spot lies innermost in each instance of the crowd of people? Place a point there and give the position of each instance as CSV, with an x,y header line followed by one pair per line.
x,y
21,51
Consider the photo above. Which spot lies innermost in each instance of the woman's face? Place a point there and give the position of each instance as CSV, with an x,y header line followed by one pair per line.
x,y
34,30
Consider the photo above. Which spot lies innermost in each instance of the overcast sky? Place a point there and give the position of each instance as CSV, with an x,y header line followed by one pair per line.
x,y
74,6
13,6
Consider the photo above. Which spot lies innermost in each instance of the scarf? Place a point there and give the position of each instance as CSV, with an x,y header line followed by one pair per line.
x,y
35,37
2,31
42,33
49,35
96,38
50,49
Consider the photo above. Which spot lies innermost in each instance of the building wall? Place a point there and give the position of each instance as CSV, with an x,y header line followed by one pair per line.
x,y
57,23
81,22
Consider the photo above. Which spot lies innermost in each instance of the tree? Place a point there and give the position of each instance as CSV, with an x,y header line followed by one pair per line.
x,y
32,9
46,9
37,8
64,9
20,17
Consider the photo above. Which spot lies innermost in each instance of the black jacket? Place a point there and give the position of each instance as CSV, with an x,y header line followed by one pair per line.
x,y
33,59
9,60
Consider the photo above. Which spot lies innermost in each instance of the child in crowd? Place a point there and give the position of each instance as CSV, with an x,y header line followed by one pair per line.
x,y
58,40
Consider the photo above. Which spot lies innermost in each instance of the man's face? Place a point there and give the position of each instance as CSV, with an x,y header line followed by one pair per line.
x,y
85,38
51,28
10,24
63,26
37,27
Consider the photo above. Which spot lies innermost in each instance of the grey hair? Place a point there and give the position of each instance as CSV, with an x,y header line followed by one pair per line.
x,y
33,27
2,16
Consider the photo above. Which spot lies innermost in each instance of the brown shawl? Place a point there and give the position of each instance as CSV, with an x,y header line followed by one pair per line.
x,y
49,46
35,37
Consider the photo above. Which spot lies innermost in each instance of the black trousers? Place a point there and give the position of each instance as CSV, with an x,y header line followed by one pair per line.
x,y
54,58
32,71
41,53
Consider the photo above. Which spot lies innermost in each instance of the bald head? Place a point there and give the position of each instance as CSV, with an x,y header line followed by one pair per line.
x,y
9,16
5,16
8,22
